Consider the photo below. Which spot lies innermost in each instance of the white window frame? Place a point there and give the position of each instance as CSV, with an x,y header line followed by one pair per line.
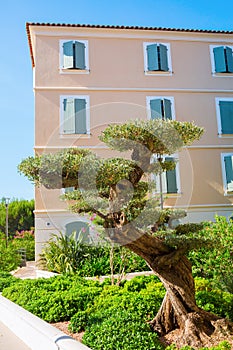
x,y
224,175
216,74
169,61
87,98
156,177
218,114
148,109
74,71
63,190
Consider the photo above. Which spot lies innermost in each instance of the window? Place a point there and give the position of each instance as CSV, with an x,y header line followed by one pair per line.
x,y
225,115
81,229
157,58
160,107
170,179
222,59
74,55
75,117
227,166
68,189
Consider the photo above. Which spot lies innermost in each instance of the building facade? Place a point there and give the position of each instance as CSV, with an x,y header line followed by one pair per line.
x,y
87,77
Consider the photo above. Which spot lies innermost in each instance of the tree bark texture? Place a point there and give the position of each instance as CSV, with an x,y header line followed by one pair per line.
x,y
179,319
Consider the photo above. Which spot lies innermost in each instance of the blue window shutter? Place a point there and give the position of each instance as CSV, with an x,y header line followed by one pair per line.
x,y
156,108
80,116
68,55
229,172
229,58
152,57
79,55
226,114
171,178
69,116
167,109
219,59
163,57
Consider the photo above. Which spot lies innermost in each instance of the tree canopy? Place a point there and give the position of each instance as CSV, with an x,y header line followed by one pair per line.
x,y
20,215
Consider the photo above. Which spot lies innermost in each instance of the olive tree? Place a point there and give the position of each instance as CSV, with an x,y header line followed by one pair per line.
x,y
119,190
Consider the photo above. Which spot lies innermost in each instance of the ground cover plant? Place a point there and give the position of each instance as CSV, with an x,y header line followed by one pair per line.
x,y
6,280
119,191
113,317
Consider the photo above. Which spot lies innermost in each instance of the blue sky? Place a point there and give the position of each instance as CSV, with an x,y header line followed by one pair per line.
x,y
17,101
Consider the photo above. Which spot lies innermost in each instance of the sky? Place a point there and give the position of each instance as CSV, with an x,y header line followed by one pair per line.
x,y
16,93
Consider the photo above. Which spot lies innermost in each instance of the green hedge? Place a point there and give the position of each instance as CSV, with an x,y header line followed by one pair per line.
x,y
113,317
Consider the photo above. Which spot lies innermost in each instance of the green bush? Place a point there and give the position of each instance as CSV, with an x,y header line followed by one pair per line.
x,y
224,345
214,300
78,322
216,264
25,240
112,316
55,299
119,315
6,280
64,254
9,258
122,329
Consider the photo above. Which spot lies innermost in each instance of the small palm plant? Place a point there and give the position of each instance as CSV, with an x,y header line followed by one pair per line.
x,y
63,254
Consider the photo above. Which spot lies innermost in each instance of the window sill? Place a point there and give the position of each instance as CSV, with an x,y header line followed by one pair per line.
x,y
75,136
74,71
158,73
228,194
169,195
225,136
222,75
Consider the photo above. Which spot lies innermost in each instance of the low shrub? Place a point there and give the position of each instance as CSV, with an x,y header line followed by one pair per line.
x,y
121,330
224,345
113,316
55,299
6,280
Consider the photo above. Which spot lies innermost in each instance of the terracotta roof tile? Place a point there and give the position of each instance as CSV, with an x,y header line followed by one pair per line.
x,y
28,24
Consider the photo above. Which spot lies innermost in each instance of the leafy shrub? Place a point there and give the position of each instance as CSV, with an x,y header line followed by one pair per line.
x,y
6,280
65,254
112,316
118,317
25,240
216,263
78,322
121,330
9,258
224,345
55,299
218,302
212,299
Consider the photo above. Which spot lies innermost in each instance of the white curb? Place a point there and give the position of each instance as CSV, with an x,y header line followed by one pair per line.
x,y
34,332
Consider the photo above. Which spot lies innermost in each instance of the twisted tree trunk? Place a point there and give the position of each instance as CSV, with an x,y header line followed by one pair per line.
x,y
179,319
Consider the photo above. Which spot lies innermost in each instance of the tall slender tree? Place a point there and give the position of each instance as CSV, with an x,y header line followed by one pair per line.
x,y
120,192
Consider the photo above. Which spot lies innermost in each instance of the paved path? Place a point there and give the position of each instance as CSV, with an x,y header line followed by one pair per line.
x,y
9,341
